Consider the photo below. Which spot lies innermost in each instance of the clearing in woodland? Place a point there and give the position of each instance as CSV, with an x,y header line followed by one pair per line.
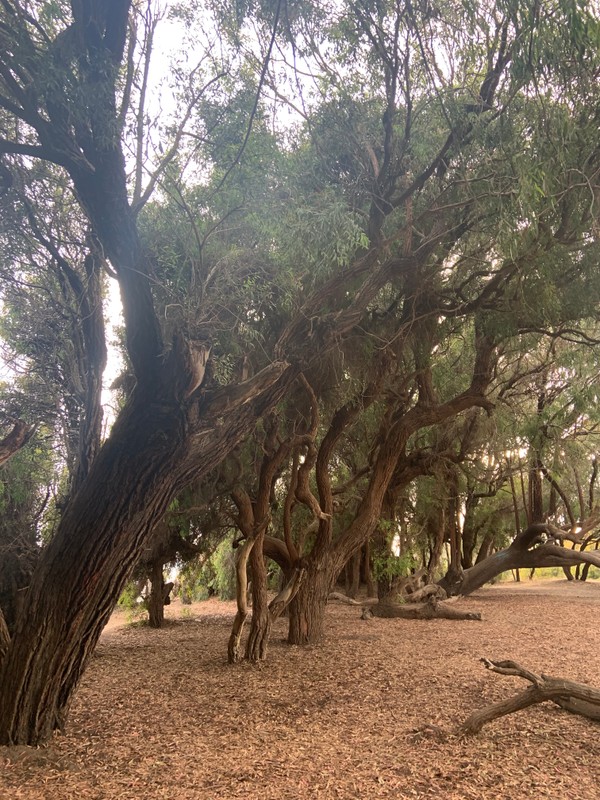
x,y
368,713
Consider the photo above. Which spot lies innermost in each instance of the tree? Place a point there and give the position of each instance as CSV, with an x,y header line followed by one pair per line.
x,y
60,80
60,84
455,204
15,440
476,220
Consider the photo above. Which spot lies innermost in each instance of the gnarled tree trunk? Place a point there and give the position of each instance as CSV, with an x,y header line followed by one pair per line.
x,y
307,609
523,553
260,627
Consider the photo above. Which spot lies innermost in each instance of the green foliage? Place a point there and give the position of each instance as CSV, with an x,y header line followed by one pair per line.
x,y
387,567
223,564
129,596
324,234
386,564
214,575
135,611
194,580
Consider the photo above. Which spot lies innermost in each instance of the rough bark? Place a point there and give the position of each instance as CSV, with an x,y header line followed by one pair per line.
x,y
156,599
578,698
84,568
4,636
150,454
307,609
260,627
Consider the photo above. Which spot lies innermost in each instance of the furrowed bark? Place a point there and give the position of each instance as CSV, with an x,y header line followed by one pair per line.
x,y
4,637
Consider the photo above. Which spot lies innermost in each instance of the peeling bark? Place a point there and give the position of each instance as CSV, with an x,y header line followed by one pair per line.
x,y
241,564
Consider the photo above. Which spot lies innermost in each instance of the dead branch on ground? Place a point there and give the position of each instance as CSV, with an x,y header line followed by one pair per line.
x,y
432,609
576,698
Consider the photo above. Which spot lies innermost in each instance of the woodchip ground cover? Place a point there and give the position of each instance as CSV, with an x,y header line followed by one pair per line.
x,y
368,713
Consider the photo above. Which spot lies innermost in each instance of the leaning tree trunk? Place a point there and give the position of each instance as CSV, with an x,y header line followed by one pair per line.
x,y
150,455
522,554
85,567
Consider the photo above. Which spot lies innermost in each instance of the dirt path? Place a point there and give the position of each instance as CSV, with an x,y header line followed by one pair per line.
x,y
160,714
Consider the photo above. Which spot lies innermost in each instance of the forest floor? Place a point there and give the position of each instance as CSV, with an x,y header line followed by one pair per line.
x,y
160,714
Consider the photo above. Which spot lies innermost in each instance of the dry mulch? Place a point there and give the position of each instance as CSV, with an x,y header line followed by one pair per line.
x,y
368,713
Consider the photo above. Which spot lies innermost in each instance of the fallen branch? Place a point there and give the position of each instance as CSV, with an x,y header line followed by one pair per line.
x,y
432,609
349,601
574,697
431,590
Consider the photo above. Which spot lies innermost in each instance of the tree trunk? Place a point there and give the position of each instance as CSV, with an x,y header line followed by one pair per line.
x,y
241,588
156,600
369,581
353,568
85,567
469,530
522,554
260,627
153,451
485,548
307,609
4,636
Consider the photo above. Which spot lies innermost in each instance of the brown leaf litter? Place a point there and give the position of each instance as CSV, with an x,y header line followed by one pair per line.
x,y
370,712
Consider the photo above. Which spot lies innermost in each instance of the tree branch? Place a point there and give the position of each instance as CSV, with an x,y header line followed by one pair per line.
x,y
574,697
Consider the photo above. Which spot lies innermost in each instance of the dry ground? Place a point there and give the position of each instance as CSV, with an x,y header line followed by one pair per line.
x,y
160,714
